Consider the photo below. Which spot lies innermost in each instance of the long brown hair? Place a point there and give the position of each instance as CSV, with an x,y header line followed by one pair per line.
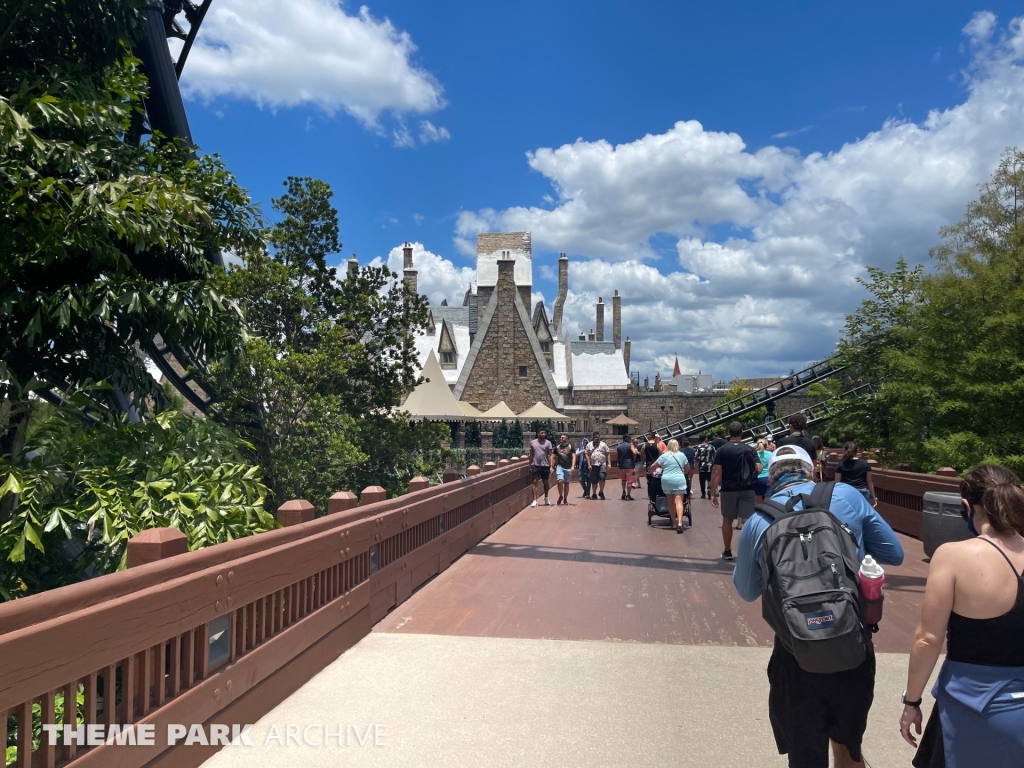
x,y
998,491
850,451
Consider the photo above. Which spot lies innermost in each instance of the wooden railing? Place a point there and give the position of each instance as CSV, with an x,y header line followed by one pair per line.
x,y
901,494
221,635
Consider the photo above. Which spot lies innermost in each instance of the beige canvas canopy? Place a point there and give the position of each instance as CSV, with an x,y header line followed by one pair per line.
x,y
498,412
538,412
469,410
622,420
433,400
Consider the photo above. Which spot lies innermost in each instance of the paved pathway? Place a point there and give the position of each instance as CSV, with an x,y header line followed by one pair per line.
x,y
494,662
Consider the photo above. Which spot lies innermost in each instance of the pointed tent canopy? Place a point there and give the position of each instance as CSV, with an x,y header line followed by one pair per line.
x,y
498,412
622,420
433,400
538,412
469,410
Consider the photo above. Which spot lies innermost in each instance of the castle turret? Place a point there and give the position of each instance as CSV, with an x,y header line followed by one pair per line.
x,y
563,291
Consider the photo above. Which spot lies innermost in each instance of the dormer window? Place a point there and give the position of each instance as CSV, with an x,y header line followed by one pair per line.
x,y
448,358
545,346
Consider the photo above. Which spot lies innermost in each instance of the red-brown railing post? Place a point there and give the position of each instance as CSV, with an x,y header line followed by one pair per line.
x,y
155,544
418,484
372,493
450,475
947,472
489,466
342,501
294,512
472,470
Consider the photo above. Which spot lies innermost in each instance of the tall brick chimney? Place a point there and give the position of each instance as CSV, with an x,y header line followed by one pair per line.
x,y
409,271
407,256
563,291
590,336
353,266
600,319
617,320
625,354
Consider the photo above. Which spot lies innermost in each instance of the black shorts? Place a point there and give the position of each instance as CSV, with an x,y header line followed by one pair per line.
x,y
539,473
807,709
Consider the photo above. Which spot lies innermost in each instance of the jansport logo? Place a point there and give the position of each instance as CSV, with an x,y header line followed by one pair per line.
x,y
820,620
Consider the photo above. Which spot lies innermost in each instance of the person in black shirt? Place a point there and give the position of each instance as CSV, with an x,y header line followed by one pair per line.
x,y
797,436
737,498
691,456
856,472
626,456
719,441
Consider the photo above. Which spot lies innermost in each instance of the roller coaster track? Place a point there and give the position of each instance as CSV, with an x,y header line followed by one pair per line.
x,y
723,414
814,413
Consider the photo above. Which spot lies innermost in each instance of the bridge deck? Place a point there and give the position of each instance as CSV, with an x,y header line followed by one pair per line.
x,y
494,662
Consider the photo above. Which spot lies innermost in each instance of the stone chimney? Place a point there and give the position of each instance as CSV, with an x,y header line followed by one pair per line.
x,y
407,256
590,336
583,337
625,354
617,320
353,266
600,319
563,291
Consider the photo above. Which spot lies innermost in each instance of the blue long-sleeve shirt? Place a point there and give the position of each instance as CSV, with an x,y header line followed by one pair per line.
x,y
874,536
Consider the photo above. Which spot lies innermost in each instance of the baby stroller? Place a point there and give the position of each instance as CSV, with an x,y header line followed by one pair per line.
x,y
657,502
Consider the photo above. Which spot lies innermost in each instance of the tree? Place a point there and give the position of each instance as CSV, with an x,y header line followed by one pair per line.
x,y
946,348
103,237
738,389
329,359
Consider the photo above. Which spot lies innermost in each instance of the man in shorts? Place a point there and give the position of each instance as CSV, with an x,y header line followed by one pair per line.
x,y
737,500
807,710
705,460
540,465
626,456
598,458
565,463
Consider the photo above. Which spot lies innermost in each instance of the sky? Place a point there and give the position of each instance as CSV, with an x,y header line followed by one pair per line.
x,y
731,168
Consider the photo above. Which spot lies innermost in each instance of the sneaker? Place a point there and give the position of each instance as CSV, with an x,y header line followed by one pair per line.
x,y
547,502
534,503
624,497
593,498
601,495
629,498
727,555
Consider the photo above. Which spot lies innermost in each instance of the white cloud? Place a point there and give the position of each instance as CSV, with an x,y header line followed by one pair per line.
x,y
787,134
436,277
308,52
798,230
430,133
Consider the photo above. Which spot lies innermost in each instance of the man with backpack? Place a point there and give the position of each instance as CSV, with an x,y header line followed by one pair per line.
x,y
735,472
800,553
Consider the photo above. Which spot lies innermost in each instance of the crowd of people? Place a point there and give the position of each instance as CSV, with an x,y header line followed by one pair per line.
x,y
822,668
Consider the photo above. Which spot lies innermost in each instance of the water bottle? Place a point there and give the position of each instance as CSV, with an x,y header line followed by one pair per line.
x,y
871,577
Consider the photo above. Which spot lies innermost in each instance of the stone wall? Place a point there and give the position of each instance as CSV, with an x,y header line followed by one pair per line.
x,y
657,409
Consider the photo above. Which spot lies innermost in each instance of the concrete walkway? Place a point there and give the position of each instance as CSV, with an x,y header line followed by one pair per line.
x,y
573,636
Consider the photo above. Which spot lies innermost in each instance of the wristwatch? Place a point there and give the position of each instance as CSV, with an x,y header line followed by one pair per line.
x,y
916,704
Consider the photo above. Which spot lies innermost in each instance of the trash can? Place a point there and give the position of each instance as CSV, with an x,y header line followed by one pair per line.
x,y
942,520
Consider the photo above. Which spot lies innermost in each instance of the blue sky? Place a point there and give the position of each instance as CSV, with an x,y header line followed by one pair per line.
x,y
668,147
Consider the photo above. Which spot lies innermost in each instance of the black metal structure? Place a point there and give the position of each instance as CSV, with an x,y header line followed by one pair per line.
x,y
165,112
814,413
723,414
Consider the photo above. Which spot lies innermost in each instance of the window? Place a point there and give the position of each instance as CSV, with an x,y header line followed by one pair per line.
x,y
545,346
522,371
448,357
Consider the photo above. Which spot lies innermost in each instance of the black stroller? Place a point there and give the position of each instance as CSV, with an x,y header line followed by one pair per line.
x,y
657,502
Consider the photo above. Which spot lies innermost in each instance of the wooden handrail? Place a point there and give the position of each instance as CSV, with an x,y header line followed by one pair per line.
x,y
137,641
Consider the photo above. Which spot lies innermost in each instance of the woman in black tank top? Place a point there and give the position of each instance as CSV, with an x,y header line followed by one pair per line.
x,y
978,717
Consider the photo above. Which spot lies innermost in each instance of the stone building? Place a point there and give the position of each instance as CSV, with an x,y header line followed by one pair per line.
x,y
498,347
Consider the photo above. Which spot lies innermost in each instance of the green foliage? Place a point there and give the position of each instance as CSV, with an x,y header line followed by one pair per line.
x,y
84,491
329,359
948,348
472,437
536,426
508,436
736,390
103,237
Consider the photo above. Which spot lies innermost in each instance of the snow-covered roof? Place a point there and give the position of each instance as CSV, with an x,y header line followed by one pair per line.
x,y
597,365
458,323
561,373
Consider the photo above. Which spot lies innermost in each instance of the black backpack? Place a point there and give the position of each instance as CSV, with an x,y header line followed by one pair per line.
x,y
810,594
748,469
